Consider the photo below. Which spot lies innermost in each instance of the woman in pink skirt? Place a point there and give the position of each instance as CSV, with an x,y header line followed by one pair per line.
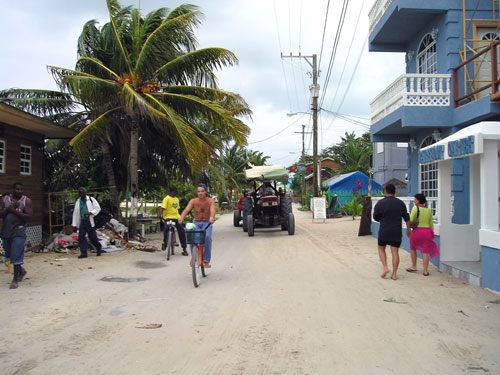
x,y
422,237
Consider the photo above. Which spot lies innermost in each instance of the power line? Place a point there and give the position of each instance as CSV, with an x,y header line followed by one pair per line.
x,y
348,53
281,131
323,38
353,73
300,26
334,50
351,79
282,64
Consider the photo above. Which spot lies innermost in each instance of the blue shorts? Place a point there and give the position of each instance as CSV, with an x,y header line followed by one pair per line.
x,y
14,249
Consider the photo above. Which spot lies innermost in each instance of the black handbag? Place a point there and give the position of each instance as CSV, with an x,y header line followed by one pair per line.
x,y
414,223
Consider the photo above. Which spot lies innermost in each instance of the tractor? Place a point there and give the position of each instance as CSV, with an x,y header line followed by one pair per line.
x,y
267,205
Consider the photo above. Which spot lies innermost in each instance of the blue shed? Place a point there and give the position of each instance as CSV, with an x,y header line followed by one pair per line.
x,y
346,185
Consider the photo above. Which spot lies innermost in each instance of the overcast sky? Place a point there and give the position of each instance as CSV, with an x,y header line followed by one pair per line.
x,y
37,33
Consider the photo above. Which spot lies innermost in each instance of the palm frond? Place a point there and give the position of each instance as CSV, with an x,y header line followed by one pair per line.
x,y
173,37
188,66
221,119
96,129
111,4
232,102
38,102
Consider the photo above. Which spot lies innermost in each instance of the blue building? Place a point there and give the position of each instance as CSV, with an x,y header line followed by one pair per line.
x,y
389,162
350,183
450,88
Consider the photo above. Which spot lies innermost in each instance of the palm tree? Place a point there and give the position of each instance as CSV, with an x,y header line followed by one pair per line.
x,y
352,153
150,79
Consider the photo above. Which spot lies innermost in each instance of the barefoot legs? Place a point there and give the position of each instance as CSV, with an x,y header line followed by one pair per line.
x,y
395,262
383,259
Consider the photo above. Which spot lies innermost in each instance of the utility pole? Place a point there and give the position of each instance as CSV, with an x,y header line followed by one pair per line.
x,y
303,132
315,94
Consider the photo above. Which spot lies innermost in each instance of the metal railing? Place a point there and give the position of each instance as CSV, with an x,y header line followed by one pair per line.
x,y
421,90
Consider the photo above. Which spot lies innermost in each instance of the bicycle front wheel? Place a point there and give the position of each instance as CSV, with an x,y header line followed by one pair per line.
x,y
172,242
202,262
195,267
169,244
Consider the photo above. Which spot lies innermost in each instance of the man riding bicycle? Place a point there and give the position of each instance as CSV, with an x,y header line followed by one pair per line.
x,y
204,215
169,210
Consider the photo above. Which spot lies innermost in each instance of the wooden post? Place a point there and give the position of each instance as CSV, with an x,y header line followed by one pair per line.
x,y
494,75
455,88
50,218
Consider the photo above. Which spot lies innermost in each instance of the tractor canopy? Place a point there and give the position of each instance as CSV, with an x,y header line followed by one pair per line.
x,y
267,173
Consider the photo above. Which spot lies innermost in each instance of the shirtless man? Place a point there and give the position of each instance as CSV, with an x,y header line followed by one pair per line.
x,y
204,214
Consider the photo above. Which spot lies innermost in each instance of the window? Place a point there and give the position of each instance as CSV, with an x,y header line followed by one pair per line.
x,y
25,165
427,56
429,174
2,156
380,147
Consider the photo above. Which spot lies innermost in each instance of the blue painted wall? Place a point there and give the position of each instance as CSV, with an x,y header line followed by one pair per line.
x,y
460,190
490,268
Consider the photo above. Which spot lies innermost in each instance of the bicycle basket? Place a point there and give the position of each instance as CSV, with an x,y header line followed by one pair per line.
x,y
195,237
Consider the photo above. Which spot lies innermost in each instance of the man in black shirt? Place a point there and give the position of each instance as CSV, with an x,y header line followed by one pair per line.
x,y
389,212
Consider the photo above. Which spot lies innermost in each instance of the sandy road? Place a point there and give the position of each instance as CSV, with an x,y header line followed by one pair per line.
x,y
312,303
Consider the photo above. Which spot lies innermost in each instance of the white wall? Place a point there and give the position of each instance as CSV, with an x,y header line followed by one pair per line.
x,y
458,242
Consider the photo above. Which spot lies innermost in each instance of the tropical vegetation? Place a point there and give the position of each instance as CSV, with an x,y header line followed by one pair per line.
x,y
352,153
150,99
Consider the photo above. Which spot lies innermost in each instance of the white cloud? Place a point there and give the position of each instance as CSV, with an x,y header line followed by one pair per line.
x,y
45,33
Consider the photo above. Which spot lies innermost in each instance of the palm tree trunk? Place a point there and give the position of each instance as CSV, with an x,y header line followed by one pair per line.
x,y
134,189
113,191
223,182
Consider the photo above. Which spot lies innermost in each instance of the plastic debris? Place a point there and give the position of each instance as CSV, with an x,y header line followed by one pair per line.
x,y
151,326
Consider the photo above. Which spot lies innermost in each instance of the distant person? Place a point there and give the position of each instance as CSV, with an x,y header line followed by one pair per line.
x,y
422,237
83,220
169,210
204,215
265,189
240,202
15,210
389,211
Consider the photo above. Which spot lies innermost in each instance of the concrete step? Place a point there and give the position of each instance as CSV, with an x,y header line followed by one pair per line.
x,y
467,271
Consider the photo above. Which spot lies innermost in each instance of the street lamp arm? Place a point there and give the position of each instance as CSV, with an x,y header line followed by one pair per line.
x,y
296,113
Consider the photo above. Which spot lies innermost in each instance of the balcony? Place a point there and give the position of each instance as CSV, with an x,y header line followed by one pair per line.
x,y
412,90
377,11
393,24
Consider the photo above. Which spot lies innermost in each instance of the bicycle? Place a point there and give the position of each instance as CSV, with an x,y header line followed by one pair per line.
x,y
196,238
170,243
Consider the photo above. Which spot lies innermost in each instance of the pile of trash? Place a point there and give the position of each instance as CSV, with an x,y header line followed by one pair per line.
x,y
113,236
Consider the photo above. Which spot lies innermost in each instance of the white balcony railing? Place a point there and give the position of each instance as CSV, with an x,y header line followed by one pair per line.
x,y
377,11
432,90
432,203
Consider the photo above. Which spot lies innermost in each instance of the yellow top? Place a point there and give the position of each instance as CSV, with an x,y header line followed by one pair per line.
x,y
170,207
424,218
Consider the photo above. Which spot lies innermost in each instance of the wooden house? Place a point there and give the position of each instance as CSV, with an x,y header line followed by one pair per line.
x,y
22,138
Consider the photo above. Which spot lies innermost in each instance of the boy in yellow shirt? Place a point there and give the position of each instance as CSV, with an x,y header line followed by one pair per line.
x,y
169,210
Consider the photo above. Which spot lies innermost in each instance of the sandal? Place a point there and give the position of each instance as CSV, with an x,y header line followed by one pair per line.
x,y
426,274
206,265
411,270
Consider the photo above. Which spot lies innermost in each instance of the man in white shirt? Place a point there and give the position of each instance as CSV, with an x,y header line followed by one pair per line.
x,y
83,219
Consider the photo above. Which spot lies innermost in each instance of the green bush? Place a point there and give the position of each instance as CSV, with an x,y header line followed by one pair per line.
x,y
353,207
